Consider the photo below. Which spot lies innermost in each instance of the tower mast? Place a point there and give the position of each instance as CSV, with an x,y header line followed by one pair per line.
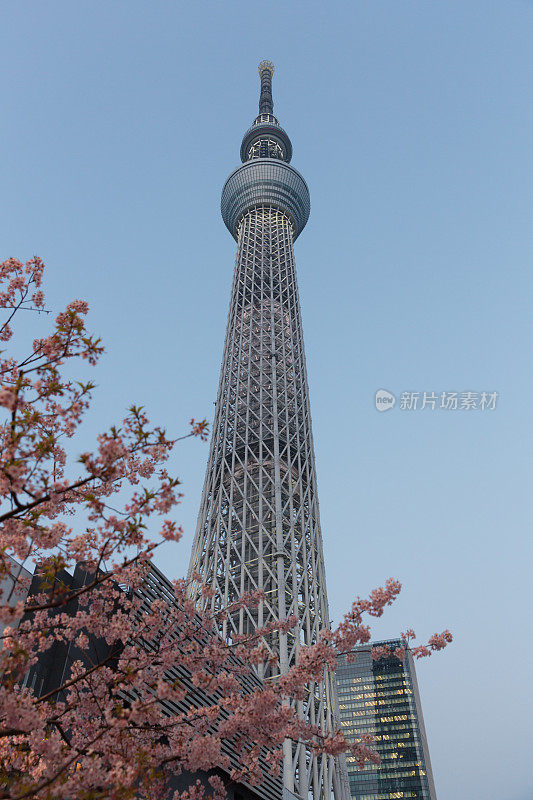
x,y
258,526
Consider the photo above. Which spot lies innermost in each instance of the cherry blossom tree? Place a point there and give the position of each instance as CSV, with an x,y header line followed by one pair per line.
x,y
120,724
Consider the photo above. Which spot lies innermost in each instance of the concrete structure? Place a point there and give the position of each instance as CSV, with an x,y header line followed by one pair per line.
x,y
258,526
381,698
14,585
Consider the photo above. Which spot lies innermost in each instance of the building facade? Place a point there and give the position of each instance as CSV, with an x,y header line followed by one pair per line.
x,y
381,697
258,525
14,585
53,669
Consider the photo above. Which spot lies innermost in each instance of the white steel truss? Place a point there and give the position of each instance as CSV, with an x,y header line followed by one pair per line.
x,y
258,526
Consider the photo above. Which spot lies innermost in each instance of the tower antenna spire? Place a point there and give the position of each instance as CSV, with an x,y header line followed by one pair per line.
x,y
266,104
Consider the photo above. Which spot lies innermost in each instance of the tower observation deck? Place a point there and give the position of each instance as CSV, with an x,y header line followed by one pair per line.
x,y
258,526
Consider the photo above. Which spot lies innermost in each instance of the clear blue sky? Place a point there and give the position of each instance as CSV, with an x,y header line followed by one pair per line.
x,y
412,122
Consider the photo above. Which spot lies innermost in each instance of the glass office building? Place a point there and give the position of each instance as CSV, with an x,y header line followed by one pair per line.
x,y
381,697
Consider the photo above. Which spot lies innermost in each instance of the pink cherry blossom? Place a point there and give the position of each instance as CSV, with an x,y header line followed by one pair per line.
x,y
164,691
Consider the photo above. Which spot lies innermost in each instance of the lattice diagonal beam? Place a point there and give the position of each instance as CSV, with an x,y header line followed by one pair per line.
x,y
258,526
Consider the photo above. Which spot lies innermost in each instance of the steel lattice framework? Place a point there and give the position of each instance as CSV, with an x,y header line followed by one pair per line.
x,y
258,525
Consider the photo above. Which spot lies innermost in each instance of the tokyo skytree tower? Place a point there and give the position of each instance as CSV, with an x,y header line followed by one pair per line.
x,y
258,526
